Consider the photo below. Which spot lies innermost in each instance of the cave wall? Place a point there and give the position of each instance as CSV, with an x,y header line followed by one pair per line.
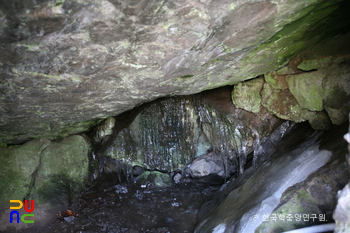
x,y
296,188
65,66
313,87
171,133
45,171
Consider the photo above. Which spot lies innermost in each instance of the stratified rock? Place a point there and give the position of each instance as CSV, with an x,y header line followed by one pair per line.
x,y
158,179
246,95
67,65
313,86
334,51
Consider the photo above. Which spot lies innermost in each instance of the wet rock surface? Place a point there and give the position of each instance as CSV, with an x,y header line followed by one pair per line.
x,y
155,178
342,210
314,193
111,206
66,65
170,133
44,170
312,87
211,164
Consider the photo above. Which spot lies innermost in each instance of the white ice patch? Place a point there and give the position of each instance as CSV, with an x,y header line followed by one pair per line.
x,y
281,174
219,228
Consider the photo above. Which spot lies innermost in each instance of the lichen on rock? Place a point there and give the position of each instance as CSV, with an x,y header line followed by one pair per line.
x,y
283,104
308,89
246,95
86,61
44,170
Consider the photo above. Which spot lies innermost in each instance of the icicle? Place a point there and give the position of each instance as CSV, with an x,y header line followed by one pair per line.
x,y
256,146
119,171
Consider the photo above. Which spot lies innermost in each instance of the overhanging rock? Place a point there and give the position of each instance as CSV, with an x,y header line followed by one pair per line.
x,y
66,64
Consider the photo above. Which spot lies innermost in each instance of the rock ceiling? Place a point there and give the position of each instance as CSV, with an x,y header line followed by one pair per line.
x,y
67,64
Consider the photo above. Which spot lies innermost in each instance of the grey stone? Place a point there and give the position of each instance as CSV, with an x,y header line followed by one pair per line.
x,y
177,178
65,67
158,179
211,164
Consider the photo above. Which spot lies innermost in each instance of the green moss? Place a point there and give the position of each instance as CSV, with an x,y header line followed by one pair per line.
x,y
16,168
318,23
308,65
44,169
64,169
156,178
59,189
283,104
232,6
246,95
30,47
308,90
77,127
186,76
292,207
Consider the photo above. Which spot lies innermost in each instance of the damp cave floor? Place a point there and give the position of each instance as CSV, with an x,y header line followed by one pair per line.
x,y
105,207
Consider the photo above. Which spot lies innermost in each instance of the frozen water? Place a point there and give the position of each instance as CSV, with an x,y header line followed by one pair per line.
x,y
261,193
220,228
281,174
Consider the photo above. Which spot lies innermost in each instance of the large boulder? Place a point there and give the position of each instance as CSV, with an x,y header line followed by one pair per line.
x,y
44,170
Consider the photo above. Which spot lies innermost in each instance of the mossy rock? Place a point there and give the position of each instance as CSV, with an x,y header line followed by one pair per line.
x,y
158,179
308,90
283,104
277,81
16,168
43,170
320,121
65,168
336,96
246,95
316,196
